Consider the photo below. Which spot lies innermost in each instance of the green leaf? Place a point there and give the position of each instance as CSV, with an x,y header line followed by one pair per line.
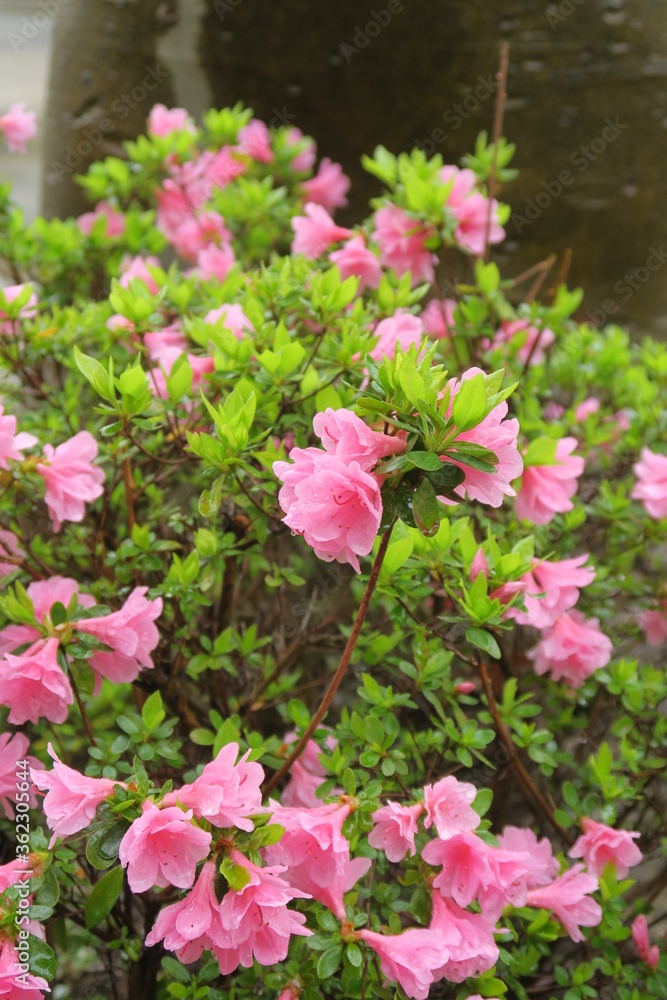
x,y
446,478
153,711
483,640
42,960
542,451
237,876
354,955
102,898
102,846
425,508
425,460
469,403
329,961
96,374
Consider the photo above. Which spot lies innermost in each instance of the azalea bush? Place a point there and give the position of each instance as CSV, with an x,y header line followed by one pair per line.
x,y
333,614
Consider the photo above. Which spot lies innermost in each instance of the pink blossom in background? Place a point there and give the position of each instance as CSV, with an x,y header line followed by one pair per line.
x,y
137,267
346,436
226,793
401,241
304,160
9,326
471,210
647,952
199,178
190,926
530,335
354,259
115,220
33,686
560,583
18,126
572,649
438,318
395,829
464,687
162,847
197,232
601,845
163,121
328,187
157,380
499,436
335,505
568,897
71,478
174,208
553,411
160,342
654,624
215,262
479,565
255,141
306,774
586,408
29,987
71,798
546,489
477,951
401,328
255,922
315,231
11,443
651,483
233,318
14,747
412,957
130,632
448,807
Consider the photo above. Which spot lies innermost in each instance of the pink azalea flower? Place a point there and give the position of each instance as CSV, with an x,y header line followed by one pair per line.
x,y
71,798
654,624
601,845
499,436
163,121
477,951
255,141
479,565
448,807
70,478
529,335
168,356
137,268
546,489
315,231
306,774
174,208
33,686
161,342
540,866
401,240
225,793
336,506
215,262
7,295
560,583
651,484
233,318
255,920
163,847
401,328
14,747
553,411
438,318
11,443
345,435
471,211
304,160
197,232
355,259
18,126
328,187
647,953
190,926
572,649
199,178
412,958
568,897
395,829
10,874
28,987
464,687
465,866
585,409
115,221
45,593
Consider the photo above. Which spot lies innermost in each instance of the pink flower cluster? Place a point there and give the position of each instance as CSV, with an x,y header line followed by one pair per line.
x,y
651,484
33,684
18,126
473,213
547,490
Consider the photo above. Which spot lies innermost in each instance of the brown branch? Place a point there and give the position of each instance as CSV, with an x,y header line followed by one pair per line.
x,y
86,720
501,77
342,666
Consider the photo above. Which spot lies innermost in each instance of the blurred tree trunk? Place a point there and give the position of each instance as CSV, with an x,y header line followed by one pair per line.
x,y
105,76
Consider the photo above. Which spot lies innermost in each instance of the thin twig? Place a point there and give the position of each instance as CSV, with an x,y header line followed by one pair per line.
x,y
86,721
501,77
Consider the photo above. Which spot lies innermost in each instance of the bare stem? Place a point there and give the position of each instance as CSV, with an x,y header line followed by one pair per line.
x,y
86,720
497,132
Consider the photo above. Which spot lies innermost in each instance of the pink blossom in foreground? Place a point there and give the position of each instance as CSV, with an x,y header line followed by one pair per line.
x,y
647,952
255,141
401,328
190,926
500,437
546,489
231,317
465,866
345,435
163,121
130,632
477,951
33,686
115,221
11,443
471,210
529,335
559,584
335,505
315,231
568,897
304,160
28,986
71,798
412,957
438,318
540,866
45,593
70,478
448,806
215,262
226,793
18,126
136,268
328,187
601,845
354,259
654,624
163,847
395,829
401,241
14,747
572,649
651,484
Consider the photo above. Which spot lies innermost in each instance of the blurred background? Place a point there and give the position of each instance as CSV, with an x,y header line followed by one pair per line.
x,y
587,106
